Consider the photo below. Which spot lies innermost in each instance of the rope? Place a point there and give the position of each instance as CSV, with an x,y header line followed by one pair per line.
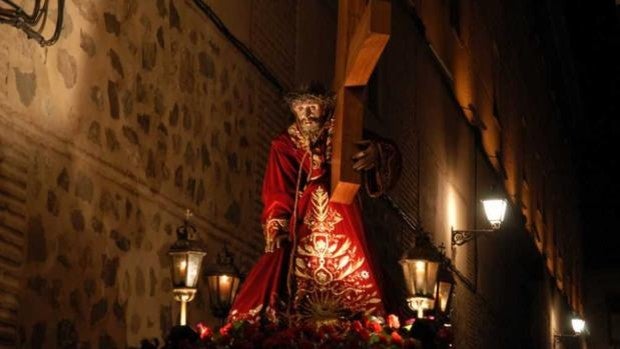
x,y
291,259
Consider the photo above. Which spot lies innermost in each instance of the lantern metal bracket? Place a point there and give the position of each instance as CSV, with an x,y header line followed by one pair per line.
x,y
33,23
558,338
461,237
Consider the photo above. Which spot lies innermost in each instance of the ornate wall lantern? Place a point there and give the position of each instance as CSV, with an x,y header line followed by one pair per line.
x,y
494,209
223,280
579,329
187,258
420,265
445,290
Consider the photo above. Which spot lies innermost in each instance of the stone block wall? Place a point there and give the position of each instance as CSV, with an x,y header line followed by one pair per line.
x,y
141,110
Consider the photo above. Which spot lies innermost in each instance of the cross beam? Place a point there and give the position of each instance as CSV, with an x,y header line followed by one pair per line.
x,y
363,32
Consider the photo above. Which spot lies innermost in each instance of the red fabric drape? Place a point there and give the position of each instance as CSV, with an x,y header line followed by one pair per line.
x,y
333,276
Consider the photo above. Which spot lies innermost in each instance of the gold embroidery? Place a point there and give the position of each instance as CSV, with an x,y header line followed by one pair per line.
x,y
332,280
271,229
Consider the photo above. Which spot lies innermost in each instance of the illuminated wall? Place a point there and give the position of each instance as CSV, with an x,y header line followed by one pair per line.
x,y
141,109
473,93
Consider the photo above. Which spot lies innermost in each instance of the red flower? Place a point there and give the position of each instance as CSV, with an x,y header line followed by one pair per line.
x,y
397,339
374,326
393,322
365,334
205,332
225,330
357,326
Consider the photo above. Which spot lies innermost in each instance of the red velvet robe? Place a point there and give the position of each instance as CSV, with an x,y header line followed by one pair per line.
x,y
331,274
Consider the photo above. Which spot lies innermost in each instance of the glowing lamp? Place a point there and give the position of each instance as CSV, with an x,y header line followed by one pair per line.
x,y
579,325
579,329
445,289
223,280
187,255
420,265
495,209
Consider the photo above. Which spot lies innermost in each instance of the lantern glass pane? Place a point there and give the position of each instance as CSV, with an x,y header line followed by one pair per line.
x,y
194,261
225,282
427,273
179,270
214,293
222,289
235,286
420,277
443,294
578,325
495,209
407,273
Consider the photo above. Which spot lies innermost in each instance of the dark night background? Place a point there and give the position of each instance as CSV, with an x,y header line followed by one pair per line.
x,y
595,42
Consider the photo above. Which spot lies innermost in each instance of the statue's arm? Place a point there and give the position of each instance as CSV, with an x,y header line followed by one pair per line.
x,y
278,195
384,175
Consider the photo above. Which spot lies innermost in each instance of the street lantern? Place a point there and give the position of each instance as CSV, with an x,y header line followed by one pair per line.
x,y
445,289
420,265
495,209
187,255
579,325
223,280
579,329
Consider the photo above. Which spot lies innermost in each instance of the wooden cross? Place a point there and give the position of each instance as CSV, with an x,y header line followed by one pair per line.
x,y
363,32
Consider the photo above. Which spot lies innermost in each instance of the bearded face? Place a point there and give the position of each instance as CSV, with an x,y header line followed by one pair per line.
x,y
309,116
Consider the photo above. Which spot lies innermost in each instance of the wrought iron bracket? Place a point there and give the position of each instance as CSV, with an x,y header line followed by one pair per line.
x,y
558,338
33,24
461,237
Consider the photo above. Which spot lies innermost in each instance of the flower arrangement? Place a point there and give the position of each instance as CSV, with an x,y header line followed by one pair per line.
x,y
372,332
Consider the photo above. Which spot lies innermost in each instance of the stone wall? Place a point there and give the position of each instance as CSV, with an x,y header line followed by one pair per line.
x,y
141,110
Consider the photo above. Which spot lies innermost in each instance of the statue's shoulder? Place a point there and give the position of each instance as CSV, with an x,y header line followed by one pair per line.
x,y
282,142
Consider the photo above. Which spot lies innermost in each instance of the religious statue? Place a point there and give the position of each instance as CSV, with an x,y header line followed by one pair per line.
x,y
316,267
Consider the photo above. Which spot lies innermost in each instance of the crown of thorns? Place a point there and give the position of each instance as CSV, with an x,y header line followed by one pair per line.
x,y
312,91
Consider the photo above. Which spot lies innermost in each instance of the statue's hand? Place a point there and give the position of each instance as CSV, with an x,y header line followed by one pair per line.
x,y
368,158
275,243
